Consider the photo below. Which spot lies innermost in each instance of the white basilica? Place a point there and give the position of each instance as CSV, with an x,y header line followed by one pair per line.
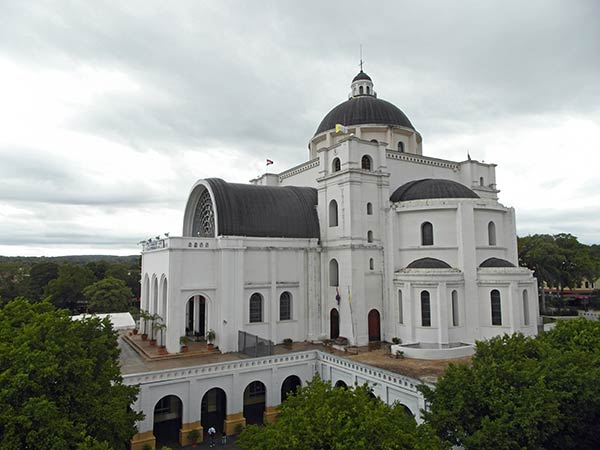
x,y
368,239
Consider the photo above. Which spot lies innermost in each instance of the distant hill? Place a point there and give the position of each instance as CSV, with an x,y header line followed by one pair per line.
x,y
74,259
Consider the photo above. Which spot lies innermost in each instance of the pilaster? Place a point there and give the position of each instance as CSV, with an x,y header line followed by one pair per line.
x,y
233,422
184,432
139,440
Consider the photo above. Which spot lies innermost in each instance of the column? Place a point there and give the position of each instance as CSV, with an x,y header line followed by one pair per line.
x,y
442,313
273,399
235,420
196,318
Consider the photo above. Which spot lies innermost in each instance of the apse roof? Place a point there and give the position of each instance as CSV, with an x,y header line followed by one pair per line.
x,y
428,263
364,109
265,211
429,188
496,262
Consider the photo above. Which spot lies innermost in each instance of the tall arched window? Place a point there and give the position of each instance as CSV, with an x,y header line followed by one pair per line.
x,y
285,306
337,165
365,162
369,209
334,273
454,308
369,236
496,307
525,307
368,90
371,264
400,308
480,181
426,233
401,146
256,308
425,309
333,213
491,233
360,90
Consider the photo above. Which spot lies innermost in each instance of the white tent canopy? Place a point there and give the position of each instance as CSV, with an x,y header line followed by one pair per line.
x,y
120,321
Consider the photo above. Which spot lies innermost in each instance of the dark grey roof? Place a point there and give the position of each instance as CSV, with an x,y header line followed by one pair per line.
x,y
265,211
428,263
361,76
430,188
362,110
496,262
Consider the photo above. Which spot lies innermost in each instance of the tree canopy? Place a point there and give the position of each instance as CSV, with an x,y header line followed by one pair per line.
x,y
108,295
559,260
321,417
66,291
523,392
60,383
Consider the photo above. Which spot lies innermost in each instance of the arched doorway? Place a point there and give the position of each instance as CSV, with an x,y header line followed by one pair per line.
x,y
290,384
341,384
406,409
195,316
374,326
255,396
213,409
167,420
334,324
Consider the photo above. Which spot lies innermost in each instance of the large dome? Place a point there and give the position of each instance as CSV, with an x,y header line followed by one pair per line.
x,y
429,188
364,109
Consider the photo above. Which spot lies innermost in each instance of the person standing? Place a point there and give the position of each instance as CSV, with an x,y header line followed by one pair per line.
x,y
224,438
211,434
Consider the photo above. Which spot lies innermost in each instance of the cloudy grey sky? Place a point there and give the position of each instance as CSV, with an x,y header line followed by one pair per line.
x,y
110,110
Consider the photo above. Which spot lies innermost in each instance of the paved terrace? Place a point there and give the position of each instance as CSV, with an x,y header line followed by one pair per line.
x,y
138,356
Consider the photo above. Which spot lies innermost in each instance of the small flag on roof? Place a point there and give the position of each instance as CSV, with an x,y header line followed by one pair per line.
x,y
339,128
269,161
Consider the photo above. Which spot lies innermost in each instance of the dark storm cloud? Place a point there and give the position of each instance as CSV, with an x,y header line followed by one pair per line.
x,y
237,74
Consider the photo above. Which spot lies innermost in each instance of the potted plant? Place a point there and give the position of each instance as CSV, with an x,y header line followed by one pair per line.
x,y
193,436
396,340
288,342
184,340
155,318
210,337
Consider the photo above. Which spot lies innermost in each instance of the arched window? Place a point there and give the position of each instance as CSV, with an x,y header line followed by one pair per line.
x,y
454,308
426,233
369,236
525,307
256,310
365,162
369,209
333,213
400,308
401,146
480,181
371,264
337,165
425,309
367,89
491,233
285,306
496,307
334,273
360,90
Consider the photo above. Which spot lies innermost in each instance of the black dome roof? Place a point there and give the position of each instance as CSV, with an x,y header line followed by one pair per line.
x,y
428,263
429,188
496,262
361,76
364,109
